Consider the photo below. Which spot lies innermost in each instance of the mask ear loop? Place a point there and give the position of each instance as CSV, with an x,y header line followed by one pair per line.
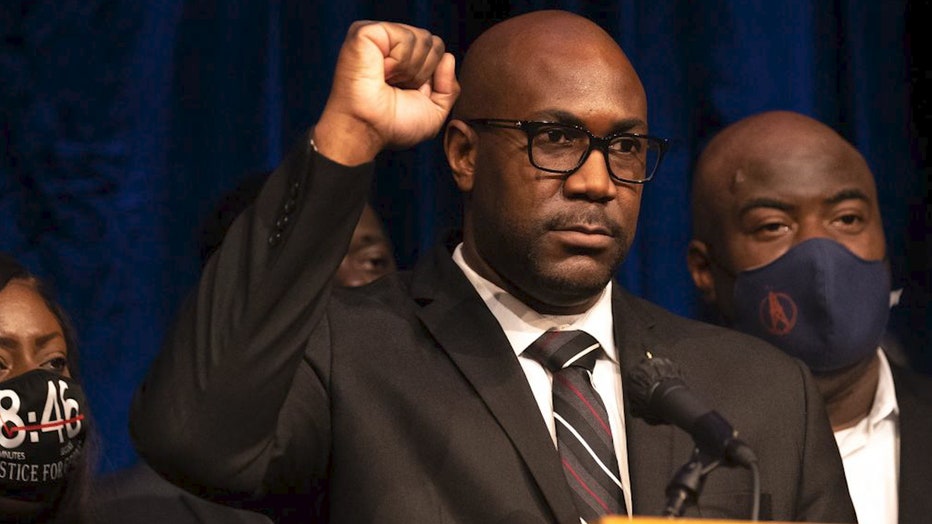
x,y
896,288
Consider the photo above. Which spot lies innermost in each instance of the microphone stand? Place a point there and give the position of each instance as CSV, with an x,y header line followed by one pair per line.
x,y
684,488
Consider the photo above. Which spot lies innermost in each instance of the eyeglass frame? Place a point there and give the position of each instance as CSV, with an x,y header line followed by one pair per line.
x,y
595,142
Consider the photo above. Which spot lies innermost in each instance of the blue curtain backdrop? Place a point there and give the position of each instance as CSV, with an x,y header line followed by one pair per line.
x,y
122,123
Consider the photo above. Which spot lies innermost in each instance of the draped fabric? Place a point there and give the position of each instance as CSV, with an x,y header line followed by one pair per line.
x,y
123,122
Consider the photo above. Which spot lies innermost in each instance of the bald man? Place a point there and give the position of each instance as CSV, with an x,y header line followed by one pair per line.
x,y
789,246
444,394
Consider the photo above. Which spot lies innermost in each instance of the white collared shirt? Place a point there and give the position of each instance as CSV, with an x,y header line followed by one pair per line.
x,y
523,325
870,451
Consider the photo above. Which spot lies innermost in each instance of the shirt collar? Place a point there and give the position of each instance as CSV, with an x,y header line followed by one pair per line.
x,y
885,404
523,325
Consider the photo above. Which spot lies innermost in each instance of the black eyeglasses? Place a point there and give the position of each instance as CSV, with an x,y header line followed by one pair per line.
x,y
563,148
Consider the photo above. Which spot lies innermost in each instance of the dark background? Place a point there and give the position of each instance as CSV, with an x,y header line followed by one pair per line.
x,y
123,122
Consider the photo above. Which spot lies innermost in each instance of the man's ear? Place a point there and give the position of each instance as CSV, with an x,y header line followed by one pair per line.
x,y
459,143
699,262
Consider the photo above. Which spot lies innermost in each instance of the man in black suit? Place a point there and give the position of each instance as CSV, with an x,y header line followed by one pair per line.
x,y
789,246
413,399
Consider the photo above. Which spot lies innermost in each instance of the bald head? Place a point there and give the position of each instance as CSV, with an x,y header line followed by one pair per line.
x,y
775,142
551,239
769,182
495,70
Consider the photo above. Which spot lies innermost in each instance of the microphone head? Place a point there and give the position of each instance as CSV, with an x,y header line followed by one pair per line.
x,y
641,383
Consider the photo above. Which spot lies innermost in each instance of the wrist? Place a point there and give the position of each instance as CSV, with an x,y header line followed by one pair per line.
x,y
345,140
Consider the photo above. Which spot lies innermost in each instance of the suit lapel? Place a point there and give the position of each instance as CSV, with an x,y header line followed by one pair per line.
x,y
464,328
913,399
650,448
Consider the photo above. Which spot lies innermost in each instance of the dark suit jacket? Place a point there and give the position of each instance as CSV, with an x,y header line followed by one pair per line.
x,y
914,397
405,397
136,495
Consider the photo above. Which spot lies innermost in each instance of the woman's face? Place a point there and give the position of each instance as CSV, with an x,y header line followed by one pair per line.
x,y
31,337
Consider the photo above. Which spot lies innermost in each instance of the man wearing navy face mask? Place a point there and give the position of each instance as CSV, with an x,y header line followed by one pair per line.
x,y
788,245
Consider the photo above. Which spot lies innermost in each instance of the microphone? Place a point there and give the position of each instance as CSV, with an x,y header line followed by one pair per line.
x,y
658,394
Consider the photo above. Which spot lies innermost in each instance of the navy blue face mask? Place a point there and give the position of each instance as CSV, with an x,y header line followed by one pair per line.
x,y
818,302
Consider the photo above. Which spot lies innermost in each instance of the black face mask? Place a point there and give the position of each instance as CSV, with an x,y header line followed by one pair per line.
x,y
42,434
818,302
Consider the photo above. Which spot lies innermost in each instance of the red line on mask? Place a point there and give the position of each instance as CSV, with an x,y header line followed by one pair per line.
x,y
14,429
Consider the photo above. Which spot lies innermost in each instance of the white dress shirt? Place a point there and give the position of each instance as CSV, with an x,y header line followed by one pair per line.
x,y
523,325
870,451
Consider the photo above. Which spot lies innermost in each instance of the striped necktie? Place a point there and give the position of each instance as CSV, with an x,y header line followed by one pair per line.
x,y
584,436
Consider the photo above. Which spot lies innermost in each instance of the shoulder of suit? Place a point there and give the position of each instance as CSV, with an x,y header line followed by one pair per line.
x,y
911,383
679,332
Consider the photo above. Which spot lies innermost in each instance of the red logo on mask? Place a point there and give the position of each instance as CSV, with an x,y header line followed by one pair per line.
x,y
778,313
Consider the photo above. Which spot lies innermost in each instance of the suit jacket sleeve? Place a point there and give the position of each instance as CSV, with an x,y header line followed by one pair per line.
x,y
207,415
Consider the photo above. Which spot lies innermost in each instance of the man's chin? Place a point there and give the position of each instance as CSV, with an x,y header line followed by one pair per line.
x,y
557,283
583,269
574,284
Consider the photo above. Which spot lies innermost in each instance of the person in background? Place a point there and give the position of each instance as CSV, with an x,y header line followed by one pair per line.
x,y
138,495
788,245
370,254
45,449
451,393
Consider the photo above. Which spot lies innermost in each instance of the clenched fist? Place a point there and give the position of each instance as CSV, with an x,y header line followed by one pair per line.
x,y
393,87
